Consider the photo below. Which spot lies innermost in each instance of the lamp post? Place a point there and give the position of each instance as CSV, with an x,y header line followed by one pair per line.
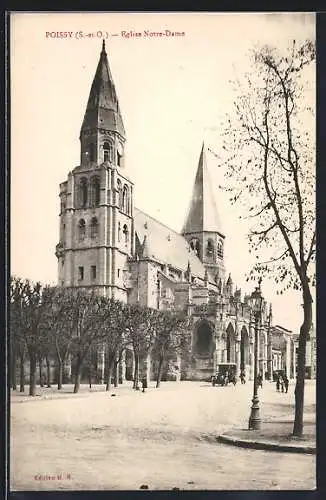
x,y
254,419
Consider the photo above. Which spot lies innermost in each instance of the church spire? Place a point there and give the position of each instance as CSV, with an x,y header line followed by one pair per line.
x,y
202,213
103,111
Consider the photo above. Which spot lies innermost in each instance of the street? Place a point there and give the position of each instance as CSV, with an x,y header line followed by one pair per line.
x,y
164,438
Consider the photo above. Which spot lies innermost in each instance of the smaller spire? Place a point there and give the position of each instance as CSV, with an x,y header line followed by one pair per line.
x,y
188,272
145,249
103,46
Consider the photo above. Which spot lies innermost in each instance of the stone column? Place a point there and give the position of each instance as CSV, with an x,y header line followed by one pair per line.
x,y
100,365
145,368
265,356
218,354
67,369
174,369
237,357
269,358
287,358
251,361
122,368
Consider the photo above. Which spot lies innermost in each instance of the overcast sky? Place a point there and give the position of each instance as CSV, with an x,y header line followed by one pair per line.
x,y
174,93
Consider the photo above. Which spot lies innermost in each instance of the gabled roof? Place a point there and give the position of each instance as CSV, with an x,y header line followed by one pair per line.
x,y
103,109
165,245
202,212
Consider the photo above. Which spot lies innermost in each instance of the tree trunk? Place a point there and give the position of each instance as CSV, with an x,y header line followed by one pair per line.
x,y
77,378
13,369
136,372
116,374
40,372
48,372
22,374
32,375
301,367
60,374
90,376
109,375
160,370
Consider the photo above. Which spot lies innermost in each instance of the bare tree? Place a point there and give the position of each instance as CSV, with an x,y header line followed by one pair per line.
x,y
59,329
88,327
171,327
114,334
140,331
17,340
30,302
270,169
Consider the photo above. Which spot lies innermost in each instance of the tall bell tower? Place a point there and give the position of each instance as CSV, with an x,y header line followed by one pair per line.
x,y
96,214
202,227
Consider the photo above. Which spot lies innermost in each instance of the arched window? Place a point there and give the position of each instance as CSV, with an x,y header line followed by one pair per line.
x,y
107,151
120,198
220,250
83,192
194,245
91,151
125,201
210,248
94,227
126,234
95,191
81,229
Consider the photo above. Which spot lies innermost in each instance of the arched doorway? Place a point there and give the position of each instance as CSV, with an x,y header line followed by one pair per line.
x,y
230,344
204,339
244,349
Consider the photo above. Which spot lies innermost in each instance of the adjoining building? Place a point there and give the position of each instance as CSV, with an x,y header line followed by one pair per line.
x,y
108,245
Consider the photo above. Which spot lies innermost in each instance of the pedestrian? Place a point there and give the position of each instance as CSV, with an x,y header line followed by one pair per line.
x,y
286,383
260,380
243,377
281,383
144,384
278,383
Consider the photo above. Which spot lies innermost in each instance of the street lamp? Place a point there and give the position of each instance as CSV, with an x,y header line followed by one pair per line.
x,y
257,301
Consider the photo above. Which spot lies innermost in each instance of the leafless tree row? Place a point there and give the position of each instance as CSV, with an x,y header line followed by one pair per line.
x,y
58,323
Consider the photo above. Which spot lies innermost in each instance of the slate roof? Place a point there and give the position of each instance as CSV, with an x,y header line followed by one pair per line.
x,y
202,211
103,109
166,245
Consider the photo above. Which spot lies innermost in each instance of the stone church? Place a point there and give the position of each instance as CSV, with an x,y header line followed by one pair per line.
x,y
108,245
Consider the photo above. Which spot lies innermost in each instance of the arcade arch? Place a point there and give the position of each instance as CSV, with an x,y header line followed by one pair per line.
x,y
230,344
204,338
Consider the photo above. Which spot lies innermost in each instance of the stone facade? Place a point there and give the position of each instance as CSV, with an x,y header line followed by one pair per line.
x,y
108,245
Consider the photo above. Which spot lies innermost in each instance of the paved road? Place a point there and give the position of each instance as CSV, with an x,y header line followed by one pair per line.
x,y
164,438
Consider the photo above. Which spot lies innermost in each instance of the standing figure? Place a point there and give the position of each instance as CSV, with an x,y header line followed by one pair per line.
x,y
260,380
286,383
278,383
243,377
144,384
281,383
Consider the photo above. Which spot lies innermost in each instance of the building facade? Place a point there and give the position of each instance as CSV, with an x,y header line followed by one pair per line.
x,y
108,245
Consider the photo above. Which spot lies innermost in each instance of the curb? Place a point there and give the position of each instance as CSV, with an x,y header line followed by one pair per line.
x,y
265,445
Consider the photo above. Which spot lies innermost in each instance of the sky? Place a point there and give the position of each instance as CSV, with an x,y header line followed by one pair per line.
x,y
174,92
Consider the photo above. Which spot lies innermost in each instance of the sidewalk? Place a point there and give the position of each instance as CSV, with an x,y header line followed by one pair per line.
x,y
275,435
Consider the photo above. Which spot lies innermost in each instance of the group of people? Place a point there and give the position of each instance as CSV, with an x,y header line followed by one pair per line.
x,y
259,378
282,382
